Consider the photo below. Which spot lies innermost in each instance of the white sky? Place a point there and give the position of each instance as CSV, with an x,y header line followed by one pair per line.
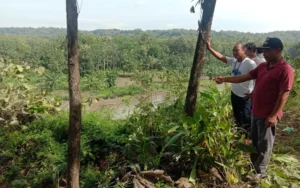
x,y
241,15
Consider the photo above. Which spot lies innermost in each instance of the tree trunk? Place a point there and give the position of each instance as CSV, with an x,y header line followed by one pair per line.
x,y
74,95
208,7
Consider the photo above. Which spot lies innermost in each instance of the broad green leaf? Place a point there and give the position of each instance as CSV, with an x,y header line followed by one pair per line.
x,y
245,147
296,175
20,75
174,138
280,181
193,175
208,96
20,68
189,120
265,184
284,158
201,127
40,70
203,112
280,173
173,129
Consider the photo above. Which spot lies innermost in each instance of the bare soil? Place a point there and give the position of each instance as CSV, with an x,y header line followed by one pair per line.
x,y
125,81
116,102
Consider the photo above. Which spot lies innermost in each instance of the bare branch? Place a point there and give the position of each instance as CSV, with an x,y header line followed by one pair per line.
x,y
79,7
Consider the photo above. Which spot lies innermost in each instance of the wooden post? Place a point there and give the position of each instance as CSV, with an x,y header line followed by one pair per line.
x,y
74,96
208,7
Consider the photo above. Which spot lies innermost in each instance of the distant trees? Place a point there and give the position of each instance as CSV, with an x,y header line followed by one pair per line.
x,y
129,50
54,32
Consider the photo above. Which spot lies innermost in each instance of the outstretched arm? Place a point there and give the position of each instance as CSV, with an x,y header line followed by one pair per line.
x,y
233,79
217,55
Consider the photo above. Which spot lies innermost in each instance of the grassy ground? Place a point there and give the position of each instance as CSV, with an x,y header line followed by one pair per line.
x,y
289,143
125,87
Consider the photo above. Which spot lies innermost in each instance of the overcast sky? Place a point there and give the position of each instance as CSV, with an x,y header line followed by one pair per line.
x,y
241,15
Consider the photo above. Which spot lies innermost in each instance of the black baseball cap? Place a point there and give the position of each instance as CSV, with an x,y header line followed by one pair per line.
x,y
272,43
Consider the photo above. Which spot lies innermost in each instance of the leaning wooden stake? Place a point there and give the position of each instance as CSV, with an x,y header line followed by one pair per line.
x,y
208,7
74,96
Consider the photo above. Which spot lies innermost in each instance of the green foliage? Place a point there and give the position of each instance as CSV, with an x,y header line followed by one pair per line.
x,y
111,77
207,137
284,171
148,129
144,78
121,91
92,178
31,156
37,51
94,81
215,68
19,100
52,32
51,81
37,154
212,127
128,50
34,154
155,136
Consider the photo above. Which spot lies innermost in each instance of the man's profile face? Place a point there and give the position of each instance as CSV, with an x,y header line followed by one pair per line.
x,y
248,52
238,51
271,54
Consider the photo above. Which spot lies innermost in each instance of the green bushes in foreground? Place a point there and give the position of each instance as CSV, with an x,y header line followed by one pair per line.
x,y
151,138
38,153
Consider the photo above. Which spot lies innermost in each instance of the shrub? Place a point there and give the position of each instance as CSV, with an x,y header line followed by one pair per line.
x,y
38,153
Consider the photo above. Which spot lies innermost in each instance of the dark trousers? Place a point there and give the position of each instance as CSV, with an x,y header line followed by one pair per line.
x,y
241,111
263,140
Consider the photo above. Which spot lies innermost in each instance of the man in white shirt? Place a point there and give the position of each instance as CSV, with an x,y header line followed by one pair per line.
x,y
260,54
240,93
250,50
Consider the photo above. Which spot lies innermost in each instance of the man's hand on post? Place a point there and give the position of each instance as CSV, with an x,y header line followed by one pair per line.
x,y
207,43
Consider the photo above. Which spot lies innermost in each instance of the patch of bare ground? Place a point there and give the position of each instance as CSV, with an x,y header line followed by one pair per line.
x,y
288,143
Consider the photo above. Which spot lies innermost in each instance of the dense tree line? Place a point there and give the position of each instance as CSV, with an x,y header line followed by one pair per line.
x,y
127,50
44,31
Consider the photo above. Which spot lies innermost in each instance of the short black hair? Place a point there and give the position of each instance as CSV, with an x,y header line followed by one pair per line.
x,y
251,46
259,50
